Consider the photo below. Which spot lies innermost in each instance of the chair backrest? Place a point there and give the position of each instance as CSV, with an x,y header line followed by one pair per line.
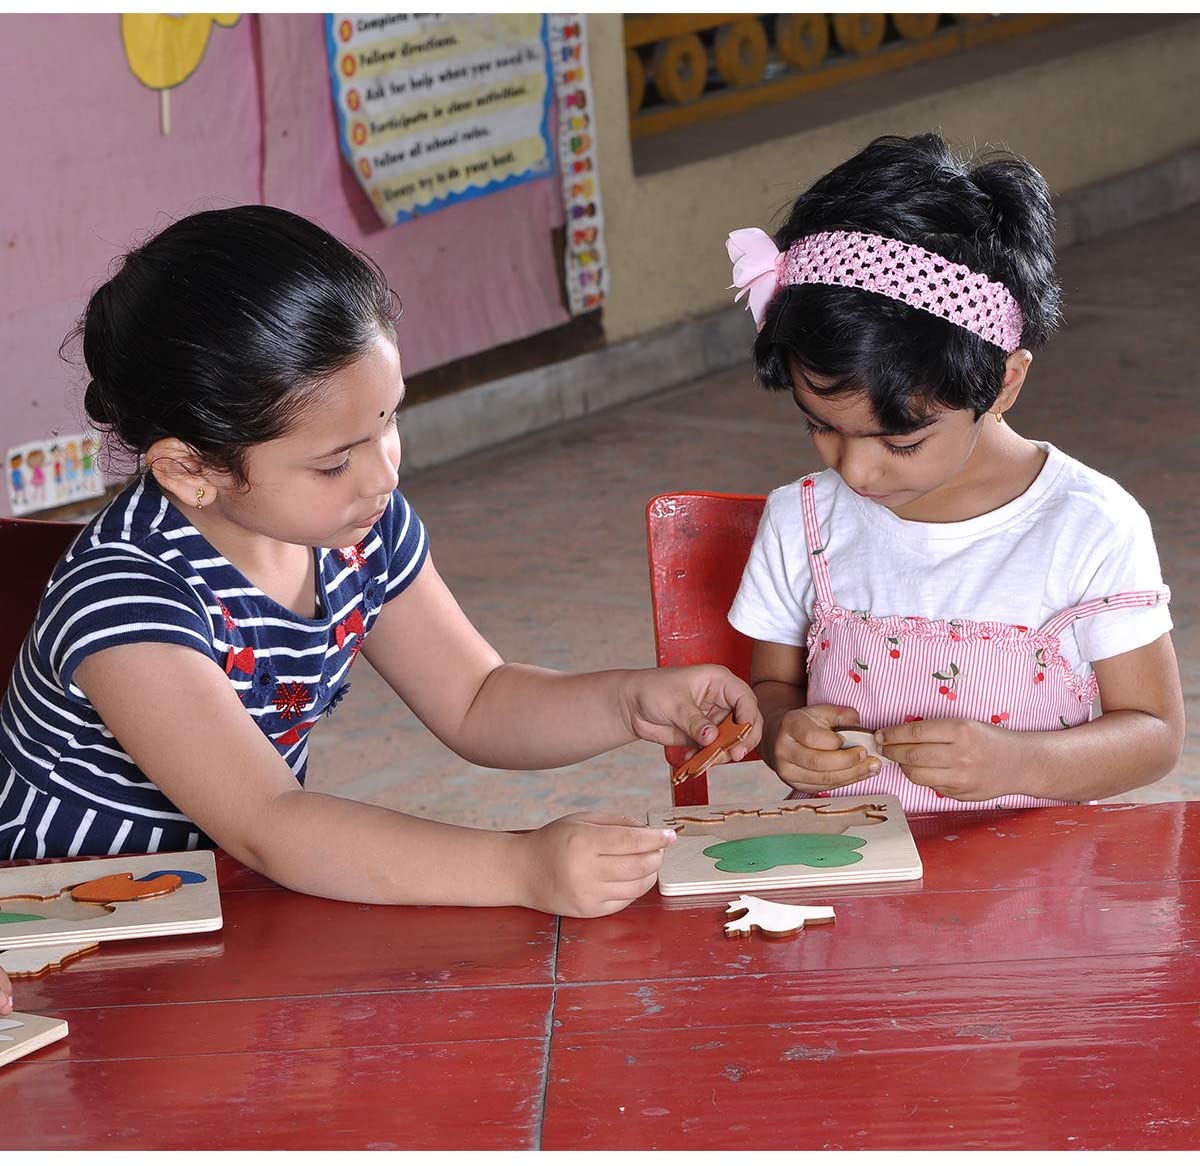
x,y
698,545
29,549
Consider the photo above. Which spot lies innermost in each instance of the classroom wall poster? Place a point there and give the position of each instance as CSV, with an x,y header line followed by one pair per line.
x,y
61,469
585,268
435,109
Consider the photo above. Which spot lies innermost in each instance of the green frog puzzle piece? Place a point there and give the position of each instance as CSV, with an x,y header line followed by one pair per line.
x,y
748,855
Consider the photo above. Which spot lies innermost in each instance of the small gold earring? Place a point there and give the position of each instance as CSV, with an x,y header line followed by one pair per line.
x,y
999,418
200,498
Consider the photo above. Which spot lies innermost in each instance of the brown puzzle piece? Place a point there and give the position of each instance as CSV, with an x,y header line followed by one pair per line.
x,y
729,733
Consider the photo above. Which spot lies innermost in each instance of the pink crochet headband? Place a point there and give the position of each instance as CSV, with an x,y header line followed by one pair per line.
x,y
901,271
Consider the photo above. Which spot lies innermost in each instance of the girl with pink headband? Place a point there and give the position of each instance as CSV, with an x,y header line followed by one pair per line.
x,y
964,592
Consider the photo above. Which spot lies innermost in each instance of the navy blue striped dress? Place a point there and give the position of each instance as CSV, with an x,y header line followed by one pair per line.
x,y
141,572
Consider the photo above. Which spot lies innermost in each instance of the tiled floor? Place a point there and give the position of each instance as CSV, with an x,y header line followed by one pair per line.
x,y
543,540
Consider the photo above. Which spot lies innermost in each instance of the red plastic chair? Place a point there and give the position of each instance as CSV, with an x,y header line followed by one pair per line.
x,y
698,544
29,549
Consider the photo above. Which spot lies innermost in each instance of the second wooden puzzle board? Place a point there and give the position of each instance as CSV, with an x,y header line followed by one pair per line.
x,y
22,1034
129,897
817,843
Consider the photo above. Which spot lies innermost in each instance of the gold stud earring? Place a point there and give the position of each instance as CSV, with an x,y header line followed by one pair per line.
x,y
200,498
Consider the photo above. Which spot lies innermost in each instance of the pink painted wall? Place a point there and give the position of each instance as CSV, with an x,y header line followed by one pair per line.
x,y
87,174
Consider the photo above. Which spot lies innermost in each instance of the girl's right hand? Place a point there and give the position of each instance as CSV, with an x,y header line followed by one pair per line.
x,y
807,754
6,1000
585,865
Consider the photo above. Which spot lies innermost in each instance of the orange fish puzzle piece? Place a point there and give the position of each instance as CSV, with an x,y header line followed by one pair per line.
x,y
120,888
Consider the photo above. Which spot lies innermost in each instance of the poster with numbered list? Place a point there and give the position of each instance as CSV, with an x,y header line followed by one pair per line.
x,y
436,109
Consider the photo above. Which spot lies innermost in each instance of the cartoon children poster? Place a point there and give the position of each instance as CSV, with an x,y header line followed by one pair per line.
x,y
44,474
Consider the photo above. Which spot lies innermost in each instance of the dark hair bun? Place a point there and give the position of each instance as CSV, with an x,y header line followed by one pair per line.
x,y
1021,221
95,404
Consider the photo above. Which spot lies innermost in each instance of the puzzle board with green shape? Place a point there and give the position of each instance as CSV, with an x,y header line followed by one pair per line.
x,y
815,843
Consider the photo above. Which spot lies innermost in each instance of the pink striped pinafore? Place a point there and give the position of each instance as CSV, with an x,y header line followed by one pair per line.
x,y
901,668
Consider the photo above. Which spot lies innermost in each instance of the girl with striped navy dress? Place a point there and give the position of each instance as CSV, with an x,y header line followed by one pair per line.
x,y
961,591
198,629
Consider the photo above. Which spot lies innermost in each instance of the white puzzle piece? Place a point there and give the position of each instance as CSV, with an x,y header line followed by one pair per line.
x,y
861,738
777,919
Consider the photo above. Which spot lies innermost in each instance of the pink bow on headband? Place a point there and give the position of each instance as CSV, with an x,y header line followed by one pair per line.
x,y
873,263
755,269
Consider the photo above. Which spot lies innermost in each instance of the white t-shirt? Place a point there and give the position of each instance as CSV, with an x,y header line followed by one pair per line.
x,y
1074,535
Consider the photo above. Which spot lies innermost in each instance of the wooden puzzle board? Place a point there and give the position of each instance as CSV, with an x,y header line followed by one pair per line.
x,y
816,843
22,1033
34,890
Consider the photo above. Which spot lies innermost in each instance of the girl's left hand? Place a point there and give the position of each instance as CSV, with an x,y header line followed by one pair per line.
x,y
684,706
6,1000
959,758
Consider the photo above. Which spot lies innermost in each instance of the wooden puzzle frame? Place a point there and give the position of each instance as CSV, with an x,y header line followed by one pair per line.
x,y
21,1033
812,843
55,904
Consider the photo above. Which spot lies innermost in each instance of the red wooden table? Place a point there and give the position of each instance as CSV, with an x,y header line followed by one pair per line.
x,y
1038,989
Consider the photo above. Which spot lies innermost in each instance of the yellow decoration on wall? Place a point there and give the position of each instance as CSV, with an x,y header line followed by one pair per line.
x,y
165,50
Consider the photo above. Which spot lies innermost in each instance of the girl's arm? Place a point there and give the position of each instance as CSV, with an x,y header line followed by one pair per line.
x,y
6,994
173,711
516,716
799,742
1135,741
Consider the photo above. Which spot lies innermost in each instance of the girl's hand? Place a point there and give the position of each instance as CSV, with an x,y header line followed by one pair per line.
x,y
959,758
684,706
6,994
807,754
585,865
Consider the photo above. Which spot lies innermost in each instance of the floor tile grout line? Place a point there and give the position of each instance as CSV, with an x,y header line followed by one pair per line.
x,y
550,1019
